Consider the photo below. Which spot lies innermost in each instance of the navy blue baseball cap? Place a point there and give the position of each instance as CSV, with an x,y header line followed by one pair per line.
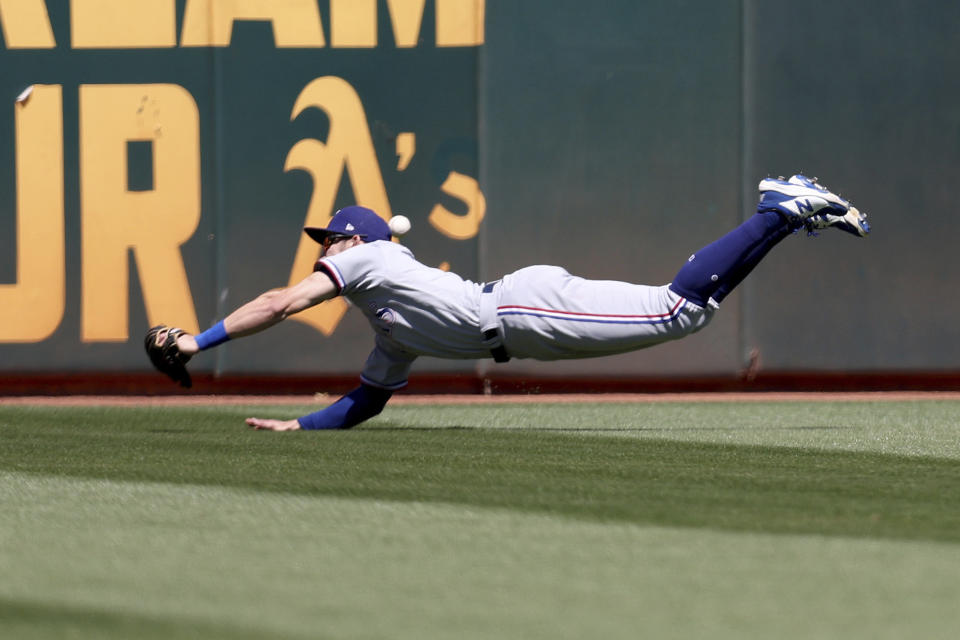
x,y
352,221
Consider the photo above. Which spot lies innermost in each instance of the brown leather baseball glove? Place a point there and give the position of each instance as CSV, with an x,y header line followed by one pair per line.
x,y
161,346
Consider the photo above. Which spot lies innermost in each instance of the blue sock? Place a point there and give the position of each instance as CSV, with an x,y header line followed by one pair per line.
x,y
719,267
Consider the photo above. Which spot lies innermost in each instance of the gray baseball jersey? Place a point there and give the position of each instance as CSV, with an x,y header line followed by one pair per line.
x,y
539,312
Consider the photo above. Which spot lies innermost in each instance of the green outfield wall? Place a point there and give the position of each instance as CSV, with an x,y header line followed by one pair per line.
x,y
158,159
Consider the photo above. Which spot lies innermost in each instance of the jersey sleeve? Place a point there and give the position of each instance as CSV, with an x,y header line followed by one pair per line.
x,y
387,366
355,270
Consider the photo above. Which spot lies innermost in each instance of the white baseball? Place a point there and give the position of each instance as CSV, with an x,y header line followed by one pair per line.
x,y
399,225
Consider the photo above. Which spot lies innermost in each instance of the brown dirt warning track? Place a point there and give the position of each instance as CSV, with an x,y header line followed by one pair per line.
x,y
476,399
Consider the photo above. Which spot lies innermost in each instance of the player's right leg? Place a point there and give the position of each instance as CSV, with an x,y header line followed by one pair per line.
x,y
546,313
785,207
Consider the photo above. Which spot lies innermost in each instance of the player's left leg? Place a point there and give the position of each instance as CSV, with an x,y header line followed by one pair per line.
x,y
785,206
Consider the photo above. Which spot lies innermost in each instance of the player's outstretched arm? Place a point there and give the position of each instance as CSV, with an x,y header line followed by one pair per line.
x,y
274,306
263,312
359,405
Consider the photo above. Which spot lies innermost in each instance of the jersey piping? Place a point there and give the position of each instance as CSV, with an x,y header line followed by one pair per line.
x,y
576,316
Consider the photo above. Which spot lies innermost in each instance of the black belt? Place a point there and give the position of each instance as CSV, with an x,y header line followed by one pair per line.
x,y
492,335
499,353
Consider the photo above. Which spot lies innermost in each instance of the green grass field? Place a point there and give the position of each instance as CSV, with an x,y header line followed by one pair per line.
x,y
673,520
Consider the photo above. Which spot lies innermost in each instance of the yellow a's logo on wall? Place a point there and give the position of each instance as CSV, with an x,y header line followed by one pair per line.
x,y
349,152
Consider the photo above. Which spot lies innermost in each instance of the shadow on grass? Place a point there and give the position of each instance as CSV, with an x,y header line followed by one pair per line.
x,y
671,429
25,620
649,481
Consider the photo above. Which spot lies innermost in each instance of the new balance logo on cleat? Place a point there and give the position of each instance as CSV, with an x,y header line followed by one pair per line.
x,y
795,208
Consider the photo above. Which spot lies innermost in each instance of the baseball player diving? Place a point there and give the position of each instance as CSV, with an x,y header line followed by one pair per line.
x,y
539,312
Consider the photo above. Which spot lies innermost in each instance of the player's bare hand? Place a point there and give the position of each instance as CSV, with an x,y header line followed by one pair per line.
x,y
187,344
273,425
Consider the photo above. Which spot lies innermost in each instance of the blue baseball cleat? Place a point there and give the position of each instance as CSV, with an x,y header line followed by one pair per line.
x,y
852,221
811,205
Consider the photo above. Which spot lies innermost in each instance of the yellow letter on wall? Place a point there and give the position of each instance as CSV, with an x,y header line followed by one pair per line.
x,y
32,309
26,24
123,24
153,224
450,224
460,23
353,23
296,23
406,16
348,146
